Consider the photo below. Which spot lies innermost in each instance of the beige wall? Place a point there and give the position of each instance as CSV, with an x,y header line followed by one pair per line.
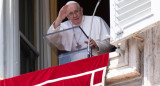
x,y
53,15
148,57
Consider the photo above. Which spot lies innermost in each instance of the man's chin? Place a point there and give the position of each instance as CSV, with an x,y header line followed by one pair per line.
x,y
77,23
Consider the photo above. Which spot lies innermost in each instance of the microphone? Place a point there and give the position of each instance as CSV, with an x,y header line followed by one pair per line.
x,y
89,49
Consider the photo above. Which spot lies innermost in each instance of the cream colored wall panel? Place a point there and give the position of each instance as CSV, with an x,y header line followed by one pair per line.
x,y
128,65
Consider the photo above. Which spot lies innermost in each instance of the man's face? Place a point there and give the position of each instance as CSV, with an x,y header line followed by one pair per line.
x,y
75,14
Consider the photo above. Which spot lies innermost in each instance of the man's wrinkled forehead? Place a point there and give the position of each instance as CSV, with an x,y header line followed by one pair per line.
x,y
72,7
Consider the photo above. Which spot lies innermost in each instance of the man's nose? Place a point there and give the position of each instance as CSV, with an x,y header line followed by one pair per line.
x,y
74,14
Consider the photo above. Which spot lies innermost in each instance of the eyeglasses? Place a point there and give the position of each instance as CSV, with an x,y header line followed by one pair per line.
x,y
72,13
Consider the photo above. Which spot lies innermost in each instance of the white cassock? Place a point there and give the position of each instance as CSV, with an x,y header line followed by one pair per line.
x,y
100,31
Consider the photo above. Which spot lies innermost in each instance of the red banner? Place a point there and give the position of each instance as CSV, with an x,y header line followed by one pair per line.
x,y
86,72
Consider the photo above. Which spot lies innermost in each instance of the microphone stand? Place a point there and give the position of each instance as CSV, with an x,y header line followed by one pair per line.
x,y
89,48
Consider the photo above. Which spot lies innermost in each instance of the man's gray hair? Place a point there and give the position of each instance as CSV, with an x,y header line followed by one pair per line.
x,y
71,2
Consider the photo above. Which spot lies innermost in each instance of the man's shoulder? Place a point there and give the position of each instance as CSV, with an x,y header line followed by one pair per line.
x,y
91,17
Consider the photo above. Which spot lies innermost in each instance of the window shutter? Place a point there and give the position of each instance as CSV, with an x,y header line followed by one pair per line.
x,y
129,17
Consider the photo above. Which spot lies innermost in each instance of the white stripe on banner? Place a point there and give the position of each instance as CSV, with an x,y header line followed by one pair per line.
x,y
79,75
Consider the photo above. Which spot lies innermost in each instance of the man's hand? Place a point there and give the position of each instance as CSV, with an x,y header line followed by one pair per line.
x,y
63,13
92,44
61,16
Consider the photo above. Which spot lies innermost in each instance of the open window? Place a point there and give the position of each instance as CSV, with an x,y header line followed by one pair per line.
x,y
130,17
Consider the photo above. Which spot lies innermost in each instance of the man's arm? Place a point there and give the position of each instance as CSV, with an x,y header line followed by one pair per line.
x,y
56,40
61,16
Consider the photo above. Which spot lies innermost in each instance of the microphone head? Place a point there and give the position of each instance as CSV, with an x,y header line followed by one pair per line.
x,y
99,1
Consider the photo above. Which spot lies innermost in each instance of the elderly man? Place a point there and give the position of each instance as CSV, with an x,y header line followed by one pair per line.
x,y
74,13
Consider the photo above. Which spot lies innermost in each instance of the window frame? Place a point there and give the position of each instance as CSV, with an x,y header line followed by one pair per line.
x,y
11,37
136,27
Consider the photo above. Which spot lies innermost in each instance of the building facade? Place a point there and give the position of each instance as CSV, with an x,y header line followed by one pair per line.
x,y
135,31
23,49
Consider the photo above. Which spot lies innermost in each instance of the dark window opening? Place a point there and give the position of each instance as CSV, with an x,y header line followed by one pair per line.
x,y
28,59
